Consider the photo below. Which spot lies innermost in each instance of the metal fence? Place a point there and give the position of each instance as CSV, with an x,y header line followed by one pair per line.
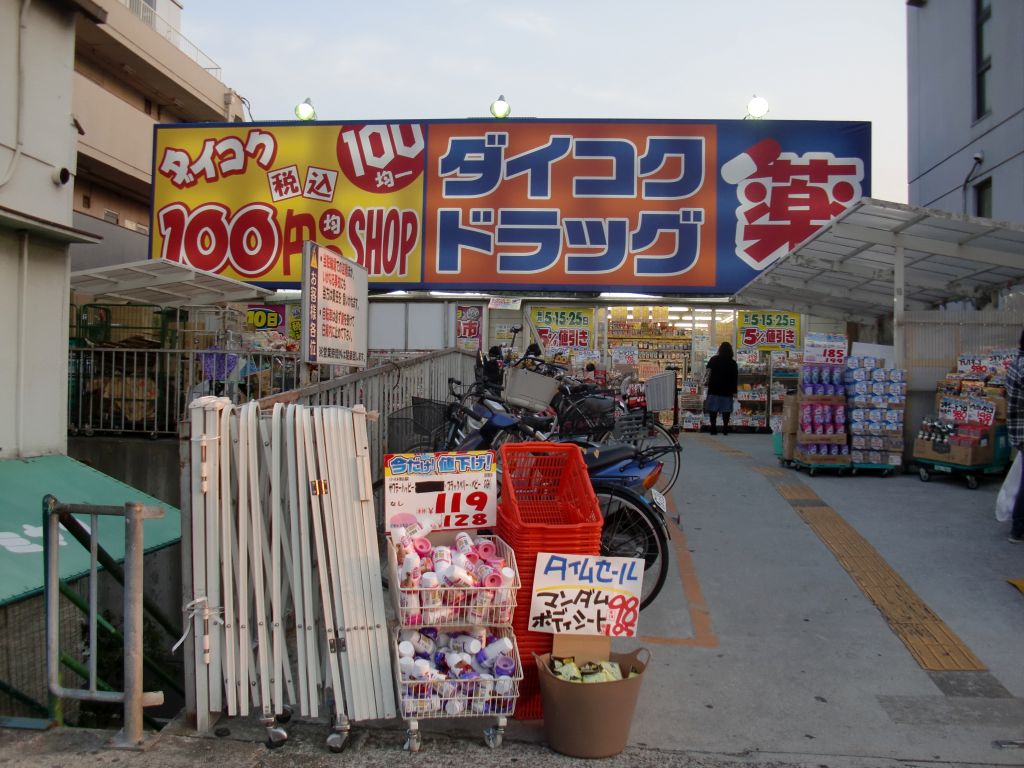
x,y
147,391
386,389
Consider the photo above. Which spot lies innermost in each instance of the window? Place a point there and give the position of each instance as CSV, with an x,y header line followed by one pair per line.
x,y
111,216
982,57
983,199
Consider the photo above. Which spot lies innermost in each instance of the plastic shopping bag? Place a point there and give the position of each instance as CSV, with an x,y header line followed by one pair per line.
x,y
1008,493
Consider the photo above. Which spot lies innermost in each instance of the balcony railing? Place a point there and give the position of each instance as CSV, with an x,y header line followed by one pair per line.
x,y
153,20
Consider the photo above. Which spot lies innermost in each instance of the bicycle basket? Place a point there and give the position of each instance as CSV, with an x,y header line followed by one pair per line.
x,y
630,427
660,390
417,428
529,390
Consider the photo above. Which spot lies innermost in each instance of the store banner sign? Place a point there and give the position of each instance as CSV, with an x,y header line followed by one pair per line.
x,y
564,329
586,594
767,330
821,348
334,309
995,362
967,410
693,207
442,491
267,317
469,326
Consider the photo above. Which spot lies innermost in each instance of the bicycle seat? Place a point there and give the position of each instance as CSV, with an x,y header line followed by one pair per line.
x,y
601,456
538,423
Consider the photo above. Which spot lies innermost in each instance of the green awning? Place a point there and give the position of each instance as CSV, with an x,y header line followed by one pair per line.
x,y
24,483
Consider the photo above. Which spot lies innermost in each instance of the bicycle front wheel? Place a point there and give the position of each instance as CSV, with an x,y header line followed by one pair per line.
x,y
631,530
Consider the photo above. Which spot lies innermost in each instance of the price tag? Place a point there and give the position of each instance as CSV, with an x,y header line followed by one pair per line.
x,y
586,594
443,491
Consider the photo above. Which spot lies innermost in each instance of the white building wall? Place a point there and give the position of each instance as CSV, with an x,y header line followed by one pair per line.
x,y
944,135
47,134
34,270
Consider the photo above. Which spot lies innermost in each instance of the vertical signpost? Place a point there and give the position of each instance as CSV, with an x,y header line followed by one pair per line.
x,y
334,308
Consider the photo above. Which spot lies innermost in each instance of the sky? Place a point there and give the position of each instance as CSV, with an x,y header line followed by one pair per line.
x,y
674,59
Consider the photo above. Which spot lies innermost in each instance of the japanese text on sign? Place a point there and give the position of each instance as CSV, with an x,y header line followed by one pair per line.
x,y
443,491
582,594
967,410
334,308
767,331
825,348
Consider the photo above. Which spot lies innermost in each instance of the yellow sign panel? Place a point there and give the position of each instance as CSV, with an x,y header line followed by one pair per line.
x,y
767,330
240,200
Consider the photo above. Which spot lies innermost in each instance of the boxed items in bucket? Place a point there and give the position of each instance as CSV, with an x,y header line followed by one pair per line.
x,y
592,717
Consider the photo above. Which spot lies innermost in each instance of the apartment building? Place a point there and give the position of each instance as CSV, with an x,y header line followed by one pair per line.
x,y
966,106
131,71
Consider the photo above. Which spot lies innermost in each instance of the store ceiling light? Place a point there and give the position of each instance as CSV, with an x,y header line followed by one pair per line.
x,y
305,111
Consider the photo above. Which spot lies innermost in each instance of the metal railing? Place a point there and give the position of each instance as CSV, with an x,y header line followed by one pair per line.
x,y
147,391
386,389
133,697
148,15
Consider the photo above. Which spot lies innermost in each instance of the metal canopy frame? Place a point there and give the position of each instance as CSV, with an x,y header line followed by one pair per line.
x,y
164,283
881,258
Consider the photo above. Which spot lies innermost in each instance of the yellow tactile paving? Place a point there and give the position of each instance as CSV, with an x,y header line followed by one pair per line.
x,y
932,644
796,492
771,471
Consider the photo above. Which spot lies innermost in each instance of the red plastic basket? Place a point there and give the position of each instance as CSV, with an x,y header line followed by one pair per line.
x,y
546,484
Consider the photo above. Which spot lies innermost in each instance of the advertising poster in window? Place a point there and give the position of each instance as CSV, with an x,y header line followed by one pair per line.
x,y
767,331
469,326
670,206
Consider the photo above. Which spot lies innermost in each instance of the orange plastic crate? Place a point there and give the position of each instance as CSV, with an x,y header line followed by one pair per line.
x,y
546,484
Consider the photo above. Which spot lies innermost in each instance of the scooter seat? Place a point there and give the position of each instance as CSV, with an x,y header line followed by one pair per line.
x,y
601,456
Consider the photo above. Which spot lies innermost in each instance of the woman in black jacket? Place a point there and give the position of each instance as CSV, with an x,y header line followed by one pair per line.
x,y
723,382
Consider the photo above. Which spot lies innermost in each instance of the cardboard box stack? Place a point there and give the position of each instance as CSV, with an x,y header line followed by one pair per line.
x,y
821,417
877,401
970,408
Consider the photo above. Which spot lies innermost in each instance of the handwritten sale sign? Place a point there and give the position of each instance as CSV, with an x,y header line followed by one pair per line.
x,y
586,594
443,491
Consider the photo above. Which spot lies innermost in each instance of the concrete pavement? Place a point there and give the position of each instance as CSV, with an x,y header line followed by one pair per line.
x,y
767,648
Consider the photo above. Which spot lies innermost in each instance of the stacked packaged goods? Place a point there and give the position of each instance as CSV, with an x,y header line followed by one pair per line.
x,y
876,400
821,416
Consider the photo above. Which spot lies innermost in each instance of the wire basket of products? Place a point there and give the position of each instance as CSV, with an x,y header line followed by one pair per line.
x,y
630,427
471,672
474,582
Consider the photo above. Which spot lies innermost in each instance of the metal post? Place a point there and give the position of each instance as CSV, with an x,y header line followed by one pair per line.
x,y
50,542
899,305
131,733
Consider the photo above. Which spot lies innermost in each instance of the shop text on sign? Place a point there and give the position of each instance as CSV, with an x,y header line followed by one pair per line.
x,y
680,206
442,491
764,331
584,594
334,308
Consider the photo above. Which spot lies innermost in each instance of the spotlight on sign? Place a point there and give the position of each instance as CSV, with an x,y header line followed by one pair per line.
x,y
757,107
305,110
501,108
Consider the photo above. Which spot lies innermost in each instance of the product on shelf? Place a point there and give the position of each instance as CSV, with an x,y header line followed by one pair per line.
x,y
876,401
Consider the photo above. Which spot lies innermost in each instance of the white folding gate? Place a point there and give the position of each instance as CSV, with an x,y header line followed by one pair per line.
x,y
287,605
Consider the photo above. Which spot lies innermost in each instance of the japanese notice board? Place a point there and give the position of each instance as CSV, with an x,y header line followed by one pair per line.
x,y
443,491
668,206
825,348
334,309
767,330
564,329
586,594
